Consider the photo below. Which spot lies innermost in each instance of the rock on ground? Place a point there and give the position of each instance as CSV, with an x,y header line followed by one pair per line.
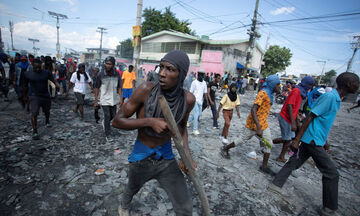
x,y
56,175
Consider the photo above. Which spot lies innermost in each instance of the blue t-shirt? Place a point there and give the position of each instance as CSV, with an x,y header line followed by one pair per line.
x,y
325,109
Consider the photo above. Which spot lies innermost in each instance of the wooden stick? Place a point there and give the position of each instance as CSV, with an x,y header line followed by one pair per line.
x,y
185,155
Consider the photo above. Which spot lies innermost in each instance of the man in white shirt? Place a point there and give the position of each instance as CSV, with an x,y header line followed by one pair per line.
x,y
199,90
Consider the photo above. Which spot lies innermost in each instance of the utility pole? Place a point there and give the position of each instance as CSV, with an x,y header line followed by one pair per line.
x,y
252,40
322,72
137,38
11,25
57,16
102,31
34,41
355,46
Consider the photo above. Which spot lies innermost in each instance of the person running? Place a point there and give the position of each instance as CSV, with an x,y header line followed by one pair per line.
x,y
128,79
256,123
79,80
108,86
287,117
199,89
311,142
152,156
211,89
228,102
37,80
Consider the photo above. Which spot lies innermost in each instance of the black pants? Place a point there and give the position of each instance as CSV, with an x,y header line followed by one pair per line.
x,y
326,166
214,111
109,114
168,174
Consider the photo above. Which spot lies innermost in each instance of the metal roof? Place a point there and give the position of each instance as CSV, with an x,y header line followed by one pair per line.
x,y
202,40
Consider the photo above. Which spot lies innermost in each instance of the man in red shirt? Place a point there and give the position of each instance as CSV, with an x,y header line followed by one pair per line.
x,y
288,115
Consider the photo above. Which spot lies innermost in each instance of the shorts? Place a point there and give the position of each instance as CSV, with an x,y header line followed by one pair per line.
x,y
286,133
248,134
36,103
126,93
79,98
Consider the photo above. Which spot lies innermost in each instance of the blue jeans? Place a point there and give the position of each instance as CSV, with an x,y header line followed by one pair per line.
x,y
196,115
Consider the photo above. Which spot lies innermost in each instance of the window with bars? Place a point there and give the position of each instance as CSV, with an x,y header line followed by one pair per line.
x,y
188,47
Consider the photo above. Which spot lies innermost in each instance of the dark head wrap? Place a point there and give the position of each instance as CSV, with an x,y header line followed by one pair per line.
x,y
305,85
232,95
175,97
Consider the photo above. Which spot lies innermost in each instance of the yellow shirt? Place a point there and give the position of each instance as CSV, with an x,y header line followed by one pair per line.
x,y
263,100
227,104
128,78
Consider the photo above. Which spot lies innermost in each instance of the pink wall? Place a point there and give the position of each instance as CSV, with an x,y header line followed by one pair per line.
x,y
211,61
211,56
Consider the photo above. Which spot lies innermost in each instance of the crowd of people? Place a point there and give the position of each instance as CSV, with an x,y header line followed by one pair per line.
x,y
305,119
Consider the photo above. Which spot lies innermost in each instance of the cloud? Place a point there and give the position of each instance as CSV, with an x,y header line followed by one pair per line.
x,y
282,10
6,10
47,35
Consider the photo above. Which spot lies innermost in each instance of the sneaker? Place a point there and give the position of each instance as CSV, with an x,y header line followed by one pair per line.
x,y
108,139
35,136
123,212
187,124
224,140
196,132
267,170
224,153
276,189
327,212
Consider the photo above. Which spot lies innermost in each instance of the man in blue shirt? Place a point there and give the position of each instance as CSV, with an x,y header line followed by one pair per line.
x,y
313,135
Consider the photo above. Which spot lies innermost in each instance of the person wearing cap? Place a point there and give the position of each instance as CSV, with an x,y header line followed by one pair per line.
x,y
128,79
108,87
152,156
79,80
199,89
256,123
287,117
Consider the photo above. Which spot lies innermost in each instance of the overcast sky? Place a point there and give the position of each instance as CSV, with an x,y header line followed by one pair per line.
x,y
309,41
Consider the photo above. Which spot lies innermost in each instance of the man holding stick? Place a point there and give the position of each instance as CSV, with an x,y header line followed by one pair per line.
x,y
152,156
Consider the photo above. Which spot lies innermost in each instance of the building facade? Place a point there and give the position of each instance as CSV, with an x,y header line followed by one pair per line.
x,y
217,56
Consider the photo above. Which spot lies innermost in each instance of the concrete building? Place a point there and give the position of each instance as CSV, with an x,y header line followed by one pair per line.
x,y
216,56
92,54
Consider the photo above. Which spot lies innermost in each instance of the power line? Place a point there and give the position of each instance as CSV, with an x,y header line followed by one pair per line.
x,y
102,31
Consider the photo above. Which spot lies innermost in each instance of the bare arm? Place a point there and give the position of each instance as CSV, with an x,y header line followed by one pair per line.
x,y
256,120
289,108
96,95
238,110
303,128
133,105
209,98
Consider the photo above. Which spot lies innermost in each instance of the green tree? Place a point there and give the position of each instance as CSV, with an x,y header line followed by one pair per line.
x,y
276,59
326,78
126,49
156,21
